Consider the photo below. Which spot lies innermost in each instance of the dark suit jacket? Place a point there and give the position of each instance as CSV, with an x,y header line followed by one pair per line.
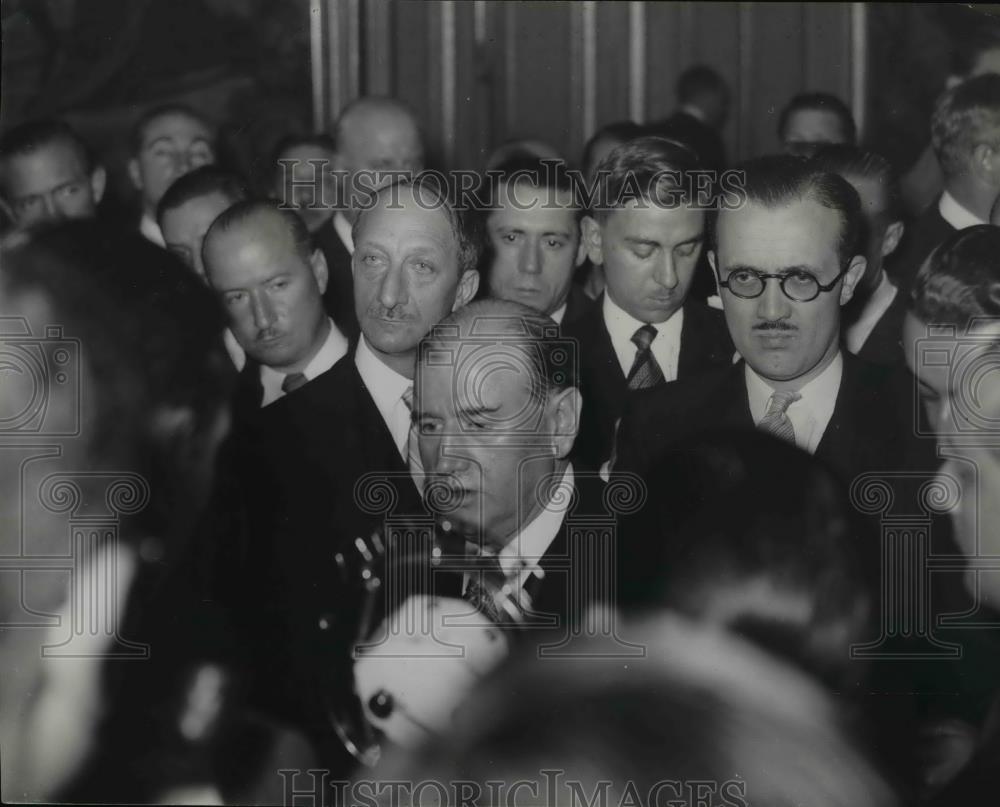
x,y
577,305
920,239
871,429
884,344
705,343
339,296
700,137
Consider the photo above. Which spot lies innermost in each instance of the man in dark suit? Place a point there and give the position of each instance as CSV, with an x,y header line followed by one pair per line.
x,y
787,261
534,234
964,132
702,108
872,324
644,331
497,411
378,140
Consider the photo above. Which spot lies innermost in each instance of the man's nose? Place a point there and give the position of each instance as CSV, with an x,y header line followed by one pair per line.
x,y
263,310
53,212
666,272
393,290
531,258
772,305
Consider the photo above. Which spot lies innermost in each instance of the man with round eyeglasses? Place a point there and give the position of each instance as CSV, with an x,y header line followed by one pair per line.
x,y
786,261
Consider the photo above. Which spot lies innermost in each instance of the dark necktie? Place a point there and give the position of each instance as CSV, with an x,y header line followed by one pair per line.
x,y
645,372
482,587
293,381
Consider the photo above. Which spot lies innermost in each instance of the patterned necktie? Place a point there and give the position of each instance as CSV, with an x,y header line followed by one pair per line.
x,y
293,381
412,445
775,420
481,595
645,372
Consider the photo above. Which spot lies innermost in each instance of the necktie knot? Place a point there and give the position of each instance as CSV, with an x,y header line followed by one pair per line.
x,y
408,397
293,381
644,337
780,401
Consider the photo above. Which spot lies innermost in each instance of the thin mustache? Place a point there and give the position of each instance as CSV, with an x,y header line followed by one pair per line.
x,y
774,326
381,312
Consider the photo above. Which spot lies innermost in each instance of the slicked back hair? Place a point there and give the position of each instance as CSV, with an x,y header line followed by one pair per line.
x,y
647,169
852,161
245,211
961,281
138,133
550,175
820,101
781,180
466,225
698,81
966,116
30,136
203,181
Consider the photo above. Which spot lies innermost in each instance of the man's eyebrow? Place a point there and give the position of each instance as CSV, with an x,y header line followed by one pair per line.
x,y
476,411
784,270
634,239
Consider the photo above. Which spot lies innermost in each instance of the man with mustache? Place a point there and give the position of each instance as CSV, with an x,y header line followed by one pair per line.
x,y
787,260
646,229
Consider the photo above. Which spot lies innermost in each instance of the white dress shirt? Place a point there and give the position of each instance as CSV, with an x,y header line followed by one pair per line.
x,y
559,313
343,228
956,214
811,414
879,302
386,387
666,346
151,230
328,355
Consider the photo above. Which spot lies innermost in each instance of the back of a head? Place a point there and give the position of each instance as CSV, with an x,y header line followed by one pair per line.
x,y
699,81
752,534
966,117
825,102
701,710
779,180
648,169
203,181
960,282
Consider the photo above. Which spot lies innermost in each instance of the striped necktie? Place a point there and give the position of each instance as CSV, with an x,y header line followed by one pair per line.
x,y
412,444
645,372
293,381
775,420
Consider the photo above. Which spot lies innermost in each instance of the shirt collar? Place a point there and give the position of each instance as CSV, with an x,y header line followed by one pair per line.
x,y
330,352
151,230
819,395
559,313
622,325
693,111
956,214
343,228
526,549
385,384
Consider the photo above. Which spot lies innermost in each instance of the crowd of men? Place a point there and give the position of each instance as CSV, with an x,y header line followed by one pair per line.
x,y
622,451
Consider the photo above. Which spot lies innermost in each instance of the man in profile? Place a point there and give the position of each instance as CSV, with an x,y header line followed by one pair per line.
x,y
647,232
167,142
965,131
534,230
376,139
48,174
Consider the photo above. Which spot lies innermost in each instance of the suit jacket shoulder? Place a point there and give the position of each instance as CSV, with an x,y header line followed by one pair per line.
x,y
884,344
338,299
920,239
577,304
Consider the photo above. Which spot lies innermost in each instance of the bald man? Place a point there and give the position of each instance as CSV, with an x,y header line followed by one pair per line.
x,y
375,136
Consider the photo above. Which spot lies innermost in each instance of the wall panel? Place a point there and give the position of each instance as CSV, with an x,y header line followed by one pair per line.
x,y
482,72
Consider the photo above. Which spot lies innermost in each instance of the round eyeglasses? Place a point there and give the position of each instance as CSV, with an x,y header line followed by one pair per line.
x,y
797,284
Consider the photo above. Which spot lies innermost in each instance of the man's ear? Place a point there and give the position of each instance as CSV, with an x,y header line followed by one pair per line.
x,y
855,271
317,262
715,271
581,248
98,182
467,288
566,405
983,158
135,174
892,237
593,241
